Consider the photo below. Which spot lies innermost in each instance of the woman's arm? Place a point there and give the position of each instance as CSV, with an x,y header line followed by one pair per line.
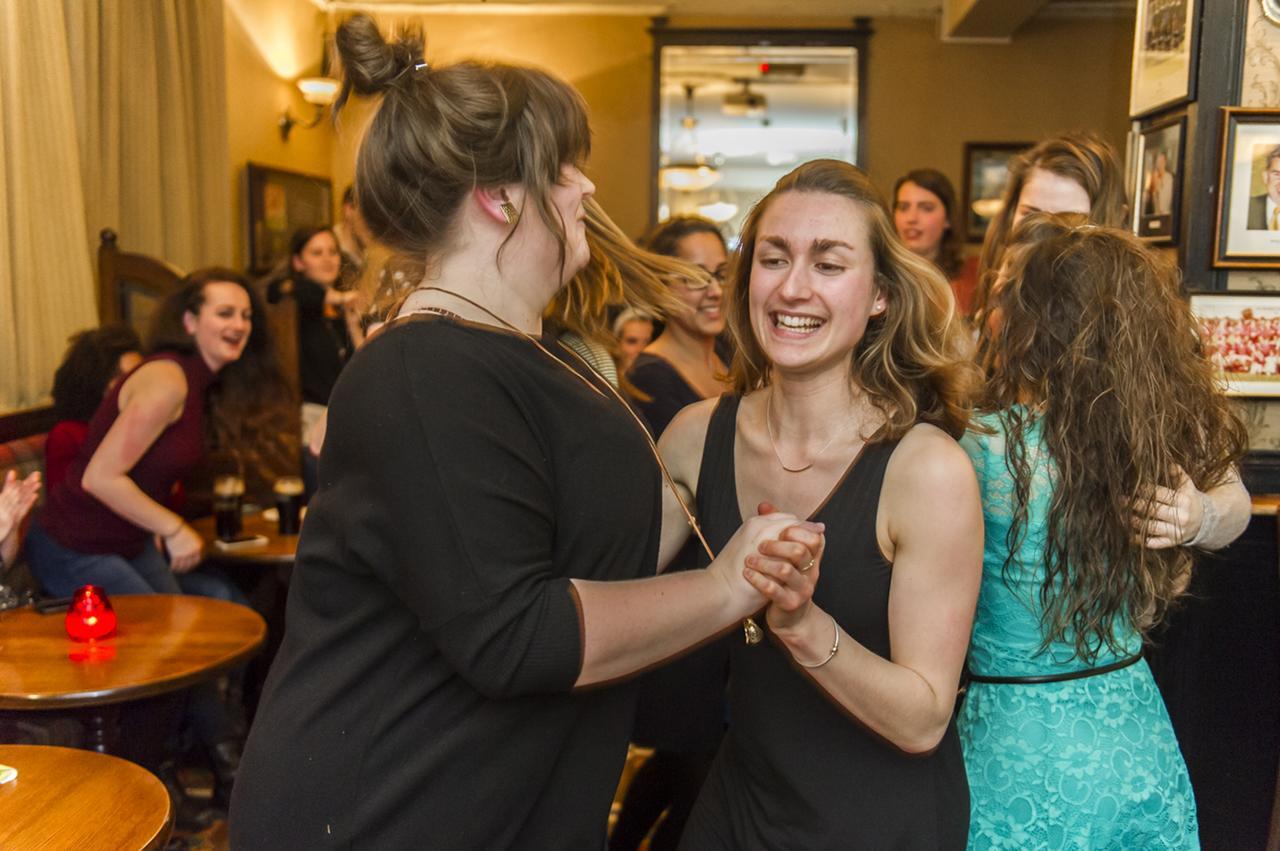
x,y
150,401
1191,517
931,515
681,447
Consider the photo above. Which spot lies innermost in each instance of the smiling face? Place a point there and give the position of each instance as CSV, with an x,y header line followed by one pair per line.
x,y
703,314
320,260
1047,192
632,339
221,328
567,196
920,218
813,281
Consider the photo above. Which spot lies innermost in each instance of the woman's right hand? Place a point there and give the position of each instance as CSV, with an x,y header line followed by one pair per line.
x,y
185,547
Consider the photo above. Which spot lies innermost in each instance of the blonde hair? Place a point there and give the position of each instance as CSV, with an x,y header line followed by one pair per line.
x,y
913,361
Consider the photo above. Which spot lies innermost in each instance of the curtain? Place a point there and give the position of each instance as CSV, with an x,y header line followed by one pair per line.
x,y
149,81
113,113
46,280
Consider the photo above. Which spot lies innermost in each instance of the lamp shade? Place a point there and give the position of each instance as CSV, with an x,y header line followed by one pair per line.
x,y
320,91
90,616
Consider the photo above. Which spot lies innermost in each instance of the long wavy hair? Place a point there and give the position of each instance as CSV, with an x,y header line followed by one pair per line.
x,y
1086,158
1090,338
914,360
91,363
252,410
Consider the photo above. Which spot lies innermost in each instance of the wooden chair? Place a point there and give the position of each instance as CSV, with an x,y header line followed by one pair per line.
x,y
130,286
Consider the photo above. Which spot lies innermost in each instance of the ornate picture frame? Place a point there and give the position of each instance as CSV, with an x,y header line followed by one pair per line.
x,y
1247,235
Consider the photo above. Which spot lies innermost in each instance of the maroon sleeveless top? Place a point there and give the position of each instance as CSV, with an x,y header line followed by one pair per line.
x,y
79,521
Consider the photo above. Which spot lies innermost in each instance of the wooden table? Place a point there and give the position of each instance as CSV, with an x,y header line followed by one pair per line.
x,y
73,799
162,643
279,549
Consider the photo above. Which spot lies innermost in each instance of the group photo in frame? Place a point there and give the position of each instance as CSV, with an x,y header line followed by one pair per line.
x,y
1164,55
986,173
1248,230
1157,193
1241,334
279,202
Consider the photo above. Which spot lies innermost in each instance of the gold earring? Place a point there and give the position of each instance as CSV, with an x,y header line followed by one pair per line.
x,y
509,212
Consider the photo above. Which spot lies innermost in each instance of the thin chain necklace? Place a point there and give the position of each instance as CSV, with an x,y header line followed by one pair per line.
x,y
768,426
751,631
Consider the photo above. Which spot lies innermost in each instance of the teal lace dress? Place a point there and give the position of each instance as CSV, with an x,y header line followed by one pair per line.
x,y
1090,763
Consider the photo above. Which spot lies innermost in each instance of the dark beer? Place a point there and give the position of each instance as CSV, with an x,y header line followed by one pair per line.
x,y
228,492
288,492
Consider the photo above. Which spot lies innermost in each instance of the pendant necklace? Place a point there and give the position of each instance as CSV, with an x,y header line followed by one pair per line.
x,y
751,631
768,425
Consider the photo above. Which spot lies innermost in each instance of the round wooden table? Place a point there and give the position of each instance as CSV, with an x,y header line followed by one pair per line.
x,y
279,549
163,642
73,799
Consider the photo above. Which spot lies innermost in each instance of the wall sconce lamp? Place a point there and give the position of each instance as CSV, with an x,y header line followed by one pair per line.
x,y
317,91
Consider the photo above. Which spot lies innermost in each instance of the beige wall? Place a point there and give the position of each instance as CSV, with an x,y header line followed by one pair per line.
x,y
926,99
606,58
269,45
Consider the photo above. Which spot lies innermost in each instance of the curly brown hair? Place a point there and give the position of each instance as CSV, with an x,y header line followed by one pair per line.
x,y
913,361
1091,339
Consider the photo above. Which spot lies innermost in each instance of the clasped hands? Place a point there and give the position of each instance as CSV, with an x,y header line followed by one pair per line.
x,y
777,558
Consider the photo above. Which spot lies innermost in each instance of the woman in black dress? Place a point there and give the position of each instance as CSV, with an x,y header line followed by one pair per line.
x,y
851,384
449,674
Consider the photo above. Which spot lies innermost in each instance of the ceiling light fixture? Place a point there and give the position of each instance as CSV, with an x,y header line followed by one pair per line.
x,y
692,173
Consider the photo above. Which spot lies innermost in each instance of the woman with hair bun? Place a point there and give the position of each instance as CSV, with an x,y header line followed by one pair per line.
x,y
1099,398
452,669
850,386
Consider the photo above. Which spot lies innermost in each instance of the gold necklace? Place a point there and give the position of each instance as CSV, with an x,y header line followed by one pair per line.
x,y
768,427
751,631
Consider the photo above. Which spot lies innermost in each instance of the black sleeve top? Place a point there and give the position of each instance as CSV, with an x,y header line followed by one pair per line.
x,y
421,693
324,344
668,392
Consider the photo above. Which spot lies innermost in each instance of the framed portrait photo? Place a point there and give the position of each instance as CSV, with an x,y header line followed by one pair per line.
x,y
280,202
1164,55
1158,169
986,172
1241,332
1248,232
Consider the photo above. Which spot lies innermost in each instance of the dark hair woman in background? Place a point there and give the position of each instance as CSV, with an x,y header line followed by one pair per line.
x,y
95,358
924,215
681,711
449,672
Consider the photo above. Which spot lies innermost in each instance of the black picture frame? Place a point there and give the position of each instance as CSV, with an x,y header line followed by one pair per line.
x,y
1166,37
1241,333
1161,150
986,173
1247,198
279,202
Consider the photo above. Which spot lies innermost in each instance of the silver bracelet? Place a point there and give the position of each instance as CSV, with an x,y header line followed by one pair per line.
x,y
835,645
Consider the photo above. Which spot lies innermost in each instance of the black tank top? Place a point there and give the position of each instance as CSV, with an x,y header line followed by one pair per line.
x,y
795,771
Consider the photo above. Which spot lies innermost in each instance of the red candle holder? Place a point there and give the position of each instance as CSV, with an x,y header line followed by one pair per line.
x,y
90,616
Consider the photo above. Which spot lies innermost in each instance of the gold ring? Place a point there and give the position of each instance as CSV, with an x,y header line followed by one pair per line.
x,y
805,569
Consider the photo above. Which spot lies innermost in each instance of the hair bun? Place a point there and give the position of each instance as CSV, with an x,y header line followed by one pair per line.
x,y
370,63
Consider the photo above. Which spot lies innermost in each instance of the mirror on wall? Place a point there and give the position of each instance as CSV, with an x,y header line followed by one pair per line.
x,y
732,119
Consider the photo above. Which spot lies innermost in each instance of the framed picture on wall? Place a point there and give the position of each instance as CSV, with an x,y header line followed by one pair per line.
x,y
1241,332
986,171
1158,191
1248,231
1164,55
280,202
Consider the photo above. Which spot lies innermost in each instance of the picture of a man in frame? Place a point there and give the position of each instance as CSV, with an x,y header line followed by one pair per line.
x,y
1264,209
